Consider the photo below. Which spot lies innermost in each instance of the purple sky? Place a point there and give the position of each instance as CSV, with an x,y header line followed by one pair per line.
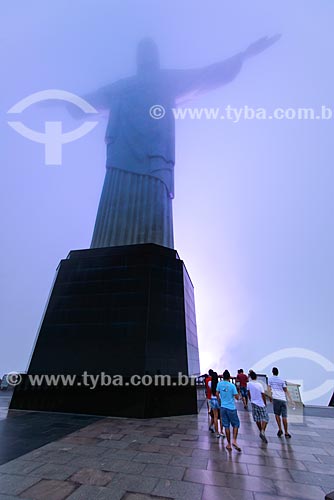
x,y
253,213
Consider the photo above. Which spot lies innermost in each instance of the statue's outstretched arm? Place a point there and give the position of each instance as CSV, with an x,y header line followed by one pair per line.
x,y
101,99
193,82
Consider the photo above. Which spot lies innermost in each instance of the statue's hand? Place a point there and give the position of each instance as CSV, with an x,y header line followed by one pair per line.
x,y
260,45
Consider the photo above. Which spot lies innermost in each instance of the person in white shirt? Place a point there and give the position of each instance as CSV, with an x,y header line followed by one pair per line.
x,y
279,392
257,397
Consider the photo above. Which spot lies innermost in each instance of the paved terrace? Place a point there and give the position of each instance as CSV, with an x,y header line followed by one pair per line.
x,y
159,459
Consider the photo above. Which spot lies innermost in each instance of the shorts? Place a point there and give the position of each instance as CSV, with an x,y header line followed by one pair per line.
x,y
260,413
280,408
214,405
229,417
243,391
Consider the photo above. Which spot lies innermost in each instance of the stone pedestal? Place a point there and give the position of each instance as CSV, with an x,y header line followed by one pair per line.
x,y
118,312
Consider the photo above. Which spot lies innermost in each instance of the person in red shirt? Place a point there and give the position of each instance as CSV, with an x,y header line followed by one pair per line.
x,y
208,399
243,379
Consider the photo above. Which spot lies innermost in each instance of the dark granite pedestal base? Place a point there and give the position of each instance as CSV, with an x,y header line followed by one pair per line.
x,y
116,314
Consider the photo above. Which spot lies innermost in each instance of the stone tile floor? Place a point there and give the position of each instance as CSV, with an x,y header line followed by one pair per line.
x,y
23,431
175,457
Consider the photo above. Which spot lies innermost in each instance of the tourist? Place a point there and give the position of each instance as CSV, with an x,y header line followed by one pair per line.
x,y
279,392
242,379
258,400
208,399
215,408
227,394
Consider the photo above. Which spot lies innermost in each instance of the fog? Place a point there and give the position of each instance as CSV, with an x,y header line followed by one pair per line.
x,y
253,208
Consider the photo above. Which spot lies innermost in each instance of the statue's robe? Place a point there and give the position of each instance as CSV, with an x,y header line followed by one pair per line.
x,y
136,201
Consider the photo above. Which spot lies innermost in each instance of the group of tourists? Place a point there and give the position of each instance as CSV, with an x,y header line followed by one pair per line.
x,y
221,395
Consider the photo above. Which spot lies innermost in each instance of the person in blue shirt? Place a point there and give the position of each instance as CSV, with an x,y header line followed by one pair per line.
x,y
227,394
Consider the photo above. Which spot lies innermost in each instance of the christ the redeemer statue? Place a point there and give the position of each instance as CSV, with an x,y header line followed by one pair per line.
x,y
136,201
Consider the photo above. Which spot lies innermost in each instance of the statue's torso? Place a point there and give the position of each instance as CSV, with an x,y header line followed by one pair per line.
x,y
133,136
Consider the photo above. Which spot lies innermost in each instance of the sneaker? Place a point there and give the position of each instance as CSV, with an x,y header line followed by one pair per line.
x,y
288,436
280,434
263,437
218,435
211,428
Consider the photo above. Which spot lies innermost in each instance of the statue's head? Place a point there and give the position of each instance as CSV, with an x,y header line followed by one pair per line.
x,y
147,55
